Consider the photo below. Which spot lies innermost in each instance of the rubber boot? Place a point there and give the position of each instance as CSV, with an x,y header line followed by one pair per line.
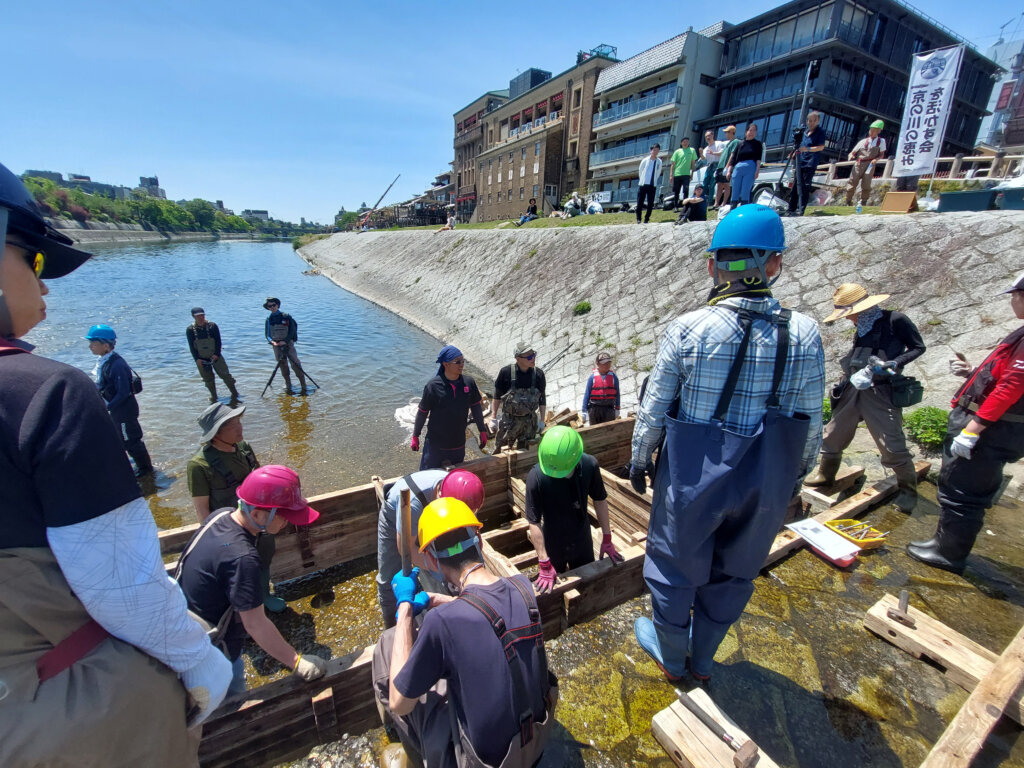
x,y
212,386
235,397
143,463
287,380
948,548
265,546
906,479
826,472
303,390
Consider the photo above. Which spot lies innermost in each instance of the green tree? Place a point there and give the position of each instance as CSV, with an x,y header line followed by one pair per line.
x,y
202,211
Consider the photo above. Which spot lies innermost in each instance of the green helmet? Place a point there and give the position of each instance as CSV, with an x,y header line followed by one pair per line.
x,y
559,451
878,124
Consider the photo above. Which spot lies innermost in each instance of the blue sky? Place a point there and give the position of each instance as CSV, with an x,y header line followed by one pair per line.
x,y
299,106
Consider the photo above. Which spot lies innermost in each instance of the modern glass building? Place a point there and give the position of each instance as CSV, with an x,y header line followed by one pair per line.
x,y
865,49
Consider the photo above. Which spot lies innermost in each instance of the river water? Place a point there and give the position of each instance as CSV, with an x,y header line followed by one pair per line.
x,y
367,361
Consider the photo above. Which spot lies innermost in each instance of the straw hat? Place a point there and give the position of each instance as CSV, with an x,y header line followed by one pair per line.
x,y
850,299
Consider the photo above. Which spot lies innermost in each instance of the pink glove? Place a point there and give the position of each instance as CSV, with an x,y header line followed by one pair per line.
x,y
546,579
607,548
483,440
414,443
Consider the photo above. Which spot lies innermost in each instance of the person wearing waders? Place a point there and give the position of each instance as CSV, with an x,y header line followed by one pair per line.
x,y
735,402
424,487
557,490
204,343
471,688
99,659
985,433
870,389
114,379
447,401
214,473
282,332
219,571
601,396
519,394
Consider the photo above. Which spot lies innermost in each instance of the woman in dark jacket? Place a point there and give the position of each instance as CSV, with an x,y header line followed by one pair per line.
x,y
985,433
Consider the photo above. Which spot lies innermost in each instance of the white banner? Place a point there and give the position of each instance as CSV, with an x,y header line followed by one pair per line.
x,y
932,81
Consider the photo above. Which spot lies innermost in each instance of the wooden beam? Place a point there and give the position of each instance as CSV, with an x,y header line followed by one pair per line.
x,y
691,744
856,505
823,496
964,661
966,735
497,563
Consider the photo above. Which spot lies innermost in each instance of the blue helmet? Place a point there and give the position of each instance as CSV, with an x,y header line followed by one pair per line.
x,y
750,226
101,332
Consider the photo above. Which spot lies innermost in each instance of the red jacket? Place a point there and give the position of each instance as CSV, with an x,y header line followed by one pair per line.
x,y
997,385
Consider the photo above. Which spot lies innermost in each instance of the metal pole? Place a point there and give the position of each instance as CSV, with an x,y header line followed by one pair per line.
x,y
945,119
807,85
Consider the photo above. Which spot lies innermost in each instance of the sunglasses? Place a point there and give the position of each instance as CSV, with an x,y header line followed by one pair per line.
x,y
460,361
35,258
526,357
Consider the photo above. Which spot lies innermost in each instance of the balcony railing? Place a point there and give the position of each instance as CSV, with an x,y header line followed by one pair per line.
x,y
636,106
637,148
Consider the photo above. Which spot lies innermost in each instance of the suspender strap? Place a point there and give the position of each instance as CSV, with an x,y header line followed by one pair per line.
x,y
508,638
734,370
195,539
781,353
416,490
70,650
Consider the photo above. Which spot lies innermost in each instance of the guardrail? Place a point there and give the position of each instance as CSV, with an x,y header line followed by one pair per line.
x,y
631,149
637,106
954,168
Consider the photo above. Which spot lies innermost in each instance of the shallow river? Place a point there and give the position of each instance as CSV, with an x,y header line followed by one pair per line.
x,y
367,361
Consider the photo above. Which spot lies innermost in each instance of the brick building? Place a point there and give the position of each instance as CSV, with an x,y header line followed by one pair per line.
x,y
538,144
469,142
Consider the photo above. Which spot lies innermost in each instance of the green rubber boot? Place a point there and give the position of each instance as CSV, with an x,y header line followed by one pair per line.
x,y
826,472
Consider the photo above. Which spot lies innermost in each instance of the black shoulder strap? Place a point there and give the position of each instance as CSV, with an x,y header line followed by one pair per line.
x,y
508,638
216,462
734,370
200,532
248,454
781,354
416,490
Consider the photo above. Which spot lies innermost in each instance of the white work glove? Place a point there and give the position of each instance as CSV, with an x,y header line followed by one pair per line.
x,y
960,368
540,425
617,413
963,444
493,425
586,417
310,667
206,684
862,378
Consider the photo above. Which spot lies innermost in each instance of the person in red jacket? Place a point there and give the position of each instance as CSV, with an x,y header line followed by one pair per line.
x,y
986,432
601,397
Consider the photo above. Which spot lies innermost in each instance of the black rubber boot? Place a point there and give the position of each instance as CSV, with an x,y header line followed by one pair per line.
x,y
826,472
235,397
212,386
906,479
948,548
143,463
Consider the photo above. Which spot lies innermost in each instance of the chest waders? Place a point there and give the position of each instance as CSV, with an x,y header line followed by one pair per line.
x,y
223,482
206,345
526,750
719,500
518,412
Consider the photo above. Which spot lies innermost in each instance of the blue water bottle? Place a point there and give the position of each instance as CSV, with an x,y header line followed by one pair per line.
x,y
860,208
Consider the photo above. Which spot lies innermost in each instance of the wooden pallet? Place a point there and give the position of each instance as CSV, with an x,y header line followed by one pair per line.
x,y
691,744
964,661
822,497
856,505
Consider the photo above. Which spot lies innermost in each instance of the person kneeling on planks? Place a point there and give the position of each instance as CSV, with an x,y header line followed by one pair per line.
x,y
425,486
458,698
219,571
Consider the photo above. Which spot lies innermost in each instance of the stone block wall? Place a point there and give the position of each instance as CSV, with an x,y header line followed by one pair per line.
x,y
484,290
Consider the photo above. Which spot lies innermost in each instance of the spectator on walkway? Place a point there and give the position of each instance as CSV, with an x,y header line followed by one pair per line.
x,y
866,153
694,208
712,152
531,213
723,183
449,225
745,166
650,181
682,160
805,163
573,206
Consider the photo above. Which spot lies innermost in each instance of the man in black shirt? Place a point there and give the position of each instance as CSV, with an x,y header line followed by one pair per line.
x,y
891,337
447,400
806,157
519,393
204,344
694,208
282,333
557,489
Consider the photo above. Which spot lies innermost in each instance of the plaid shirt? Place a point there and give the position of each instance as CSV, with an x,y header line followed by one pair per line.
x,y
694,360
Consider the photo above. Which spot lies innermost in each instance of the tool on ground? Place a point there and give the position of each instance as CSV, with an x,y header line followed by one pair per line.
x,y
900,614
746,753
406,513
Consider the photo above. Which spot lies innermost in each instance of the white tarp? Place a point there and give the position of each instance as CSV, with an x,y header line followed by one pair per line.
x,y
932,81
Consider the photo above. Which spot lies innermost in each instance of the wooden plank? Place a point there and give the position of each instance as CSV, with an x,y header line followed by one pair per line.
x,y
503,539
326,717
828,495
564,417
964,661
524,560
856,505
497,563
691,744
966,735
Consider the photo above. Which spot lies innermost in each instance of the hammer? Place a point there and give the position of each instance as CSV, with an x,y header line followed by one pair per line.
x,y
746,754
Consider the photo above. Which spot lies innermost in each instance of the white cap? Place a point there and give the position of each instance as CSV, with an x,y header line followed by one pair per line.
x,y
1018,284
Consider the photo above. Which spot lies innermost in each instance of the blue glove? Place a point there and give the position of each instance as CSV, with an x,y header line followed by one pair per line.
x,y
406,587
420,603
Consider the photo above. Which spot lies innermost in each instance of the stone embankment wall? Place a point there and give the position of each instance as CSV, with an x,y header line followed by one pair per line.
x,y
100,232
484,290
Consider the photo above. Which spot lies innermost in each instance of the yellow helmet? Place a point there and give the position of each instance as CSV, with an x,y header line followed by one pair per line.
x,y
442,516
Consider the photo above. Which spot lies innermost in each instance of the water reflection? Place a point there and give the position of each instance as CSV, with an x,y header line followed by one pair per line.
x,y
367,361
